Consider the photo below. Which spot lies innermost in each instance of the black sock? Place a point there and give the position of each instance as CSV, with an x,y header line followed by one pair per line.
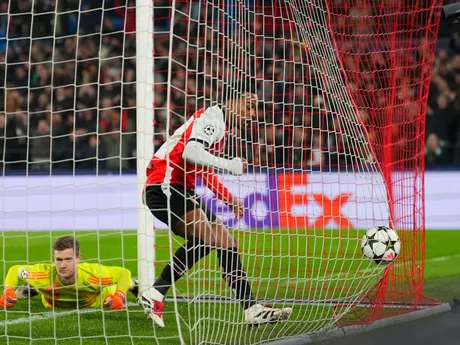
x,y
235,276
183,260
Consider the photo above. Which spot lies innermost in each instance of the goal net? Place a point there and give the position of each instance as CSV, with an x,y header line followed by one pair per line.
x,y
336,148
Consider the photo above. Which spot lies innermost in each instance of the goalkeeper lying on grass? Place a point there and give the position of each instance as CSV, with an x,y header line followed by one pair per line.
x,y
69,283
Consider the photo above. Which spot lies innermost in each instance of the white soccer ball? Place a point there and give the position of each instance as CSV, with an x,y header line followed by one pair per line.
x,y
381,244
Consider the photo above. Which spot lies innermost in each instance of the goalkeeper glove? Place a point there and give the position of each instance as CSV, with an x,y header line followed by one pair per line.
x,y
115,301
8,298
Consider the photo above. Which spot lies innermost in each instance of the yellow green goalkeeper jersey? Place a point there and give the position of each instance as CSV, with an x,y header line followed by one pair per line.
x,y
94,283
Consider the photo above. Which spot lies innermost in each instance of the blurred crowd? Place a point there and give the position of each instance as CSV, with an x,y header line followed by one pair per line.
x,y
70,84
69,100
443,112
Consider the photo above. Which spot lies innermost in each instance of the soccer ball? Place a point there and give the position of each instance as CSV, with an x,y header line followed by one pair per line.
x,y
381,244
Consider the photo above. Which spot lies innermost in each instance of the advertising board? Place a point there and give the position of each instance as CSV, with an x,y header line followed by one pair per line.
x,y
284,200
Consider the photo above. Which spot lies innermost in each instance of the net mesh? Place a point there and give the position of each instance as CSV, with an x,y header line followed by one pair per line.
x,y
343,88
387,52
337,147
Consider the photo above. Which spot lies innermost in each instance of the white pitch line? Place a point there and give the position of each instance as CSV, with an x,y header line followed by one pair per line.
x,y
378,269
443,258
51,315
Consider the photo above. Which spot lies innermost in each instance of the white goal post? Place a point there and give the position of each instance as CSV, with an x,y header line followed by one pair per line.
x,y
144,135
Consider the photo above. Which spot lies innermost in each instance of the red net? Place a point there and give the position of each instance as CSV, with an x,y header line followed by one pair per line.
x,y
387,50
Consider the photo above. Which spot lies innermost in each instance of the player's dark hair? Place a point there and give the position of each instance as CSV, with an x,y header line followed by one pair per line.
x,y
237,89
67,242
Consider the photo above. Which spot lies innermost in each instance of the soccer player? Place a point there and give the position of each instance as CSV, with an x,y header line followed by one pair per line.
x,y
190,151
69,283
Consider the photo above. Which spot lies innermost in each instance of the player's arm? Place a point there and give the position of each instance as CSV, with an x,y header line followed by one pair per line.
x,y
121,277
12,277
206,131
9,298
212,182
20,274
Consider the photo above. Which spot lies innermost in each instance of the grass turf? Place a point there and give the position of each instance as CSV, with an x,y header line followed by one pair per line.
x,y
333,269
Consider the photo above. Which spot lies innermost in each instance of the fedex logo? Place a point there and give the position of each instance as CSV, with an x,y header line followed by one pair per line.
x,y
289,200
296,205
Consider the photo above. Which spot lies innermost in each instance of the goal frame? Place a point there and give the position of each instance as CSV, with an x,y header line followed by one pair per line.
x,y
144,142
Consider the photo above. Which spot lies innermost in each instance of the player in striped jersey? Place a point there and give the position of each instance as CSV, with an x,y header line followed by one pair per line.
x,y
191,152
69,283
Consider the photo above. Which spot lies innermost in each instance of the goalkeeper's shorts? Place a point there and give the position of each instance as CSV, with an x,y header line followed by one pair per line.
x,y
181,202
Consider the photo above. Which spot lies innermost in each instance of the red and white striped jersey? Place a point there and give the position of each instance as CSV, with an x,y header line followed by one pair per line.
x,y
206,126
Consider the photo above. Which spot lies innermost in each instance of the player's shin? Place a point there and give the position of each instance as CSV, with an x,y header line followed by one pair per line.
x,y
183,260
235,276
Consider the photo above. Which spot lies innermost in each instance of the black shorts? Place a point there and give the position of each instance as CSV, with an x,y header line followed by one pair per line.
x,y
182,201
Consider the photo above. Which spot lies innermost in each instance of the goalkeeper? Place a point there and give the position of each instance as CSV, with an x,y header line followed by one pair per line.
x,y
190,150
68,283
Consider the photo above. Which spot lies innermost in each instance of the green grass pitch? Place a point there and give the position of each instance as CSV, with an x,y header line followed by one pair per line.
x,y
221,322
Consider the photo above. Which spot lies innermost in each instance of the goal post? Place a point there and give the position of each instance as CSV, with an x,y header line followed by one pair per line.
x,y
144,138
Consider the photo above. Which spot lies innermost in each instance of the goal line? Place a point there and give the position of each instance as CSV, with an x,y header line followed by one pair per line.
x,y
330,303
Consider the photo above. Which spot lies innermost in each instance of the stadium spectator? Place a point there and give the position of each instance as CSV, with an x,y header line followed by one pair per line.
x,y
40,146
114,125
435,153
89,154
12,138
61,148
